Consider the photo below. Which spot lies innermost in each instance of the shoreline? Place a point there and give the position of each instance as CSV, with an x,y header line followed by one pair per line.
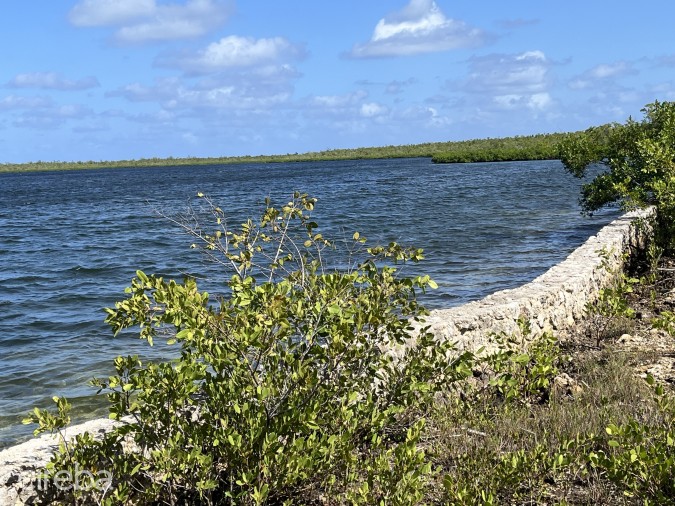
x,y
499,311
552,302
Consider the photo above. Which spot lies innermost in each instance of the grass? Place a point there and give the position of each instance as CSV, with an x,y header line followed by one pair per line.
x,y
507,450
595,433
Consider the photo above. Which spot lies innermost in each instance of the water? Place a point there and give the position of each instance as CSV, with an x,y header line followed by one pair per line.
x,y
71,241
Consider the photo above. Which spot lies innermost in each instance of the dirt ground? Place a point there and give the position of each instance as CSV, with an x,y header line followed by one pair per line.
x,y
653,350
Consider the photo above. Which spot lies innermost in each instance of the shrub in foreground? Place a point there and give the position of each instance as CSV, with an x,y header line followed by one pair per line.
x,y
285,391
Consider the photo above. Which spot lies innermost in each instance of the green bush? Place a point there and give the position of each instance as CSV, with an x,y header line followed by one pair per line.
x,y
532,147
608,314
640,458
295,387
640,158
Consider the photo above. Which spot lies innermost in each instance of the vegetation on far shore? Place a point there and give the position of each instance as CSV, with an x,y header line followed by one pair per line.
x,y
533,147
301,386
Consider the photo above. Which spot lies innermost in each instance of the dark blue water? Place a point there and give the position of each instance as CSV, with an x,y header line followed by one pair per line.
x,y
71,241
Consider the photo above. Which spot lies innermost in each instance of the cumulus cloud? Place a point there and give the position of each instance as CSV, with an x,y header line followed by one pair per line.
x,y
235,51
420,27
141,21
603,73
51,81
511,81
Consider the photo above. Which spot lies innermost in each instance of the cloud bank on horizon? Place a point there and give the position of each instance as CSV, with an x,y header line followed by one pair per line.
x,y
116,79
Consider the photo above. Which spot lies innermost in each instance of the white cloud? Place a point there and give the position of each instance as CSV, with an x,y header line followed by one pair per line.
x,y
110,12
535,102
227,97
343,113
136,92
51,80
174,94
507,74
420,27
373,109
423,116
19,102
144,21
52,116
540,101
338,101
72,111
605,73
510,81
235,51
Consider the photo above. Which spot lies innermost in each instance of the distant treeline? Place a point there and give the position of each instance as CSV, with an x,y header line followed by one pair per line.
x,y
532,147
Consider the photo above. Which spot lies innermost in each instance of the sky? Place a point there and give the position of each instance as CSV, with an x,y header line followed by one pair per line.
x,y
127,79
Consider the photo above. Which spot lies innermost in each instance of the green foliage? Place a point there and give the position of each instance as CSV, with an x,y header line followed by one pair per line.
x,y
640,157
516,477
533,147
295,386
513,380
48,421
518,376
611,308
665,321
640,459
653,255
590,448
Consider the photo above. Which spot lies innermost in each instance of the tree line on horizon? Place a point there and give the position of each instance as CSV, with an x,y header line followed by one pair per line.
x,y
530,147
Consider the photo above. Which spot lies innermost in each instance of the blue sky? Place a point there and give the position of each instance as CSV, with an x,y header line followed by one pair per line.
x,y
121,79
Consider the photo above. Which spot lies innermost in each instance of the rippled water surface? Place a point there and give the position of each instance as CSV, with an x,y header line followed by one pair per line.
x,y
71,241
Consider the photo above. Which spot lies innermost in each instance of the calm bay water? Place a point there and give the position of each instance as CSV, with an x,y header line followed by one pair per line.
x,y
71,241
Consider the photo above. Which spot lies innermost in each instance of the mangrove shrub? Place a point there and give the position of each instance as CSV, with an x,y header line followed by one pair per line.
x,y
287,390
640,160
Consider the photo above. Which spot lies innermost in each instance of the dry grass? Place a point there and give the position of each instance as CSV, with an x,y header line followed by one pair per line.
x,y
535,449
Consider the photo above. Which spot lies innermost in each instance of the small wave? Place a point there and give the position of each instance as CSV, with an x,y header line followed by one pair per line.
x,y
85,270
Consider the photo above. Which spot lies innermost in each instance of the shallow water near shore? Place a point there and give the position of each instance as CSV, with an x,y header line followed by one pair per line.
x,y
71,241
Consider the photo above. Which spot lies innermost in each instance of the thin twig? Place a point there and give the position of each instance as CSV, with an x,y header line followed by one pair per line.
x,y
476,432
